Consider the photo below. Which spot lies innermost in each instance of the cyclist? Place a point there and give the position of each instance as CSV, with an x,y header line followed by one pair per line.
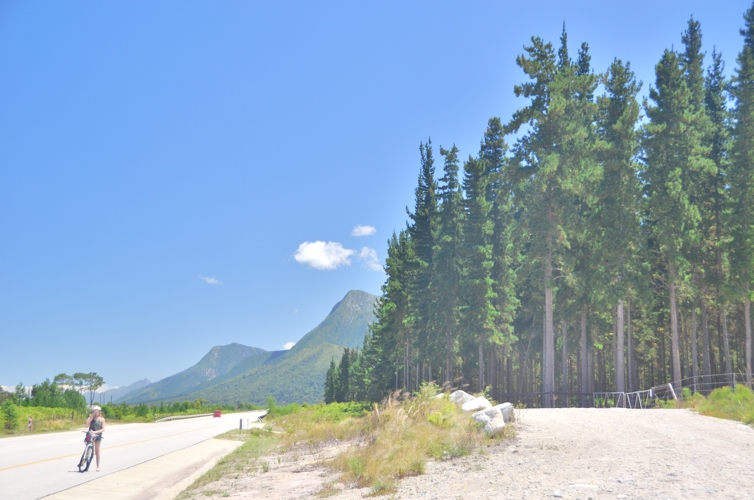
x,y
96,425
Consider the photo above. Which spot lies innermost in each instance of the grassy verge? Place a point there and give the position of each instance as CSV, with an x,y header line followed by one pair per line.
x,y
243,460
392,441
386,442
44,420
726,402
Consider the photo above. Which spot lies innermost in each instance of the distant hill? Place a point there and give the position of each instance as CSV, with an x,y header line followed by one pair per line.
x,y
216,363
118,392
296,375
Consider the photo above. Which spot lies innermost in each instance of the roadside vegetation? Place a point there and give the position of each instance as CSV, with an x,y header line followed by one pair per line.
x,y
57,407
246,459
726,402
383,442
149,413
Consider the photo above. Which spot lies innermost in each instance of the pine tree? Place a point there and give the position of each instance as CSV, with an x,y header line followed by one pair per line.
x,y
446,275
388,334
420,232
619,194
674,153
556,158
330,383
714,232
477,310
498,194
342,386
741,180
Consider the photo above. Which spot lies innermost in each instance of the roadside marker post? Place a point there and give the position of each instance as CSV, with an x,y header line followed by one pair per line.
x,y
240,423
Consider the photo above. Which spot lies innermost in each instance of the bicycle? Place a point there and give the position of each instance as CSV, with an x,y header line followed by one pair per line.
x,y
86,457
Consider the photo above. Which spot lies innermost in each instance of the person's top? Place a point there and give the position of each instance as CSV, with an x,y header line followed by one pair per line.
x,y
95,424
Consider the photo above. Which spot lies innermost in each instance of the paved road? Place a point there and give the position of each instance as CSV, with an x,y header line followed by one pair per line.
x,y
35,466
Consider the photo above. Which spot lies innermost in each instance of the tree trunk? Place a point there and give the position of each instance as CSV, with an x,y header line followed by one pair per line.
x,y
620,381
491,355
706,348
405,368
633,373
448,367
590,371
565,360
584,359
481,364
726,345
508,374
548,360
694,350
747,322
674,337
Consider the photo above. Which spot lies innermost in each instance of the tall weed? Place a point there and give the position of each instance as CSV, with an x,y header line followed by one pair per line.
x,y
393,440
727,403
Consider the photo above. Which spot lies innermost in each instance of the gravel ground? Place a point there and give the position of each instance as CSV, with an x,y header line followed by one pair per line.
x,y
563,453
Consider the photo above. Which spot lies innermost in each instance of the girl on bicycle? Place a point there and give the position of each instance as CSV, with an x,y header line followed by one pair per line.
x,y
96,425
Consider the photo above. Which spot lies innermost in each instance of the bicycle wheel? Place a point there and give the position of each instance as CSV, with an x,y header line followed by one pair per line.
x,y
87,458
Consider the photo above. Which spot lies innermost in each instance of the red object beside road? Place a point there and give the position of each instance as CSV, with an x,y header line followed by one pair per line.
x,y
217,413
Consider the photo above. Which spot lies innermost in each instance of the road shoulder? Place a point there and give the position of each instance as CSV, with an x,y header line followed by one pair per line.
x,y
162,478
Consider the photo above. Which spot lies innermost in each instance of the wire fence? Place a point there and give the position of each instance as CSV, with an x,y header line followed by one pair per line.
x,y
648,398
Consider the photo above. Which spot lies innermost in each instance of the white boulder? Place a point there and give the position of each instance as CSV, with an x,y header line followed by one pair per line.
x,y
506,410
476,404
491,418
460,397
495,425
481,417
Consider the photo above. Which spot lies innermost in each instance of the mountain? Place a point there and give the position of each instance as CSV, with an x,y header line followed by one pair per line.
x,y
346,324
296,375
216,363
117,392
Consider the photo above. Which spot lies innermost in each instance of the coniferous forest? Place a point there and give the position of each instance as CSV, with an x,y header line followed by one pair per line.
x,y
597,241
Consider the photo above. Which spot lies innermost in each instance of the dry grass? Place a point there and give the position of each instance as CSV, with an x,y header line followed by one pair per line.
x,y
393,441
302,429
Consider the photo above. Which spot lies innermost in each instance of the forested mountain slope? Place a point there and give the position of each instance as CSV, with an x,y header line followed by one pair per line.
x,y
296,375
217,362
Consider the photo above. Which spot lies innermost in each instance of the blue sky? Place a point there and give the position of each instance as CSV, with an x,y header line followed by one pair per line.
x,y
167,168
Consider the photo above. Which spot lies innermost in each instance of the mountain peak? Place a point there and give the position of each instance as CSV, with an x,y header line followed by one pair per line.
x,y
346,325
356,299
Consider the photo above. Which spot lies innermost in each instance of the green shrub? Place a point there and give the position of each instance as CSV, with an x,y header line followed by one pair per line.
x,y
142,410
727,403
9,415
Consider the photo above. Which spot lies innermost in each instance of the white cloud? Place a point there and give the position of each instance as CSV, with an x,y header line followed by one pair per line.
x,y
368,257
324,256
211,281
363,231
288,345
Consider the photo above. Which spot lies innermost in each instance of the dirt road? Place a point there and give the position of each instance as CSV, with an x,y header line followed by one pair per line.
x,y
568,453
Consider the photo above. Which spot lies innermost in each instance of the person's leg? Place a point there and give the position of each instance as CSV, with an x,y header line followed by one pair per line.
x,y
96,452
